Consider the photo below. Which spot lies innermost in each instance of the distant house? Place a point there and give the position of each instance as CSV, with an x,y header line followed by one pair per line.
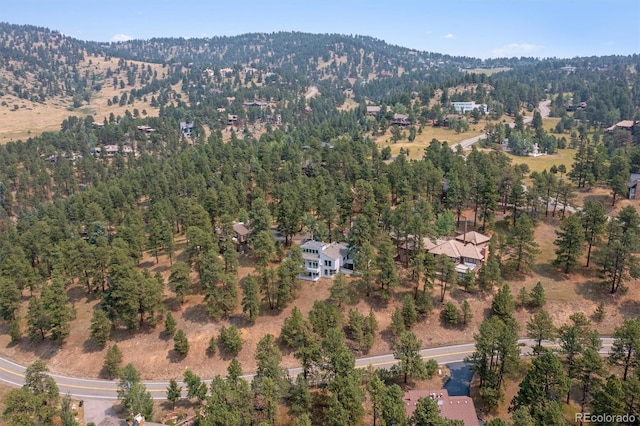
x,y
325,260
400,120
578,107
232,119
450,407
275,119
186,128
241,238
632,186
255,104
629,125
373,110
467,250
146,129
465,107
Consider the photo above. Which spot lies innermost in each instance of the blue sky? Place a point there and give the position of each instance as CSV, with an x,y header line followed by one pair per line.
x,y
483,29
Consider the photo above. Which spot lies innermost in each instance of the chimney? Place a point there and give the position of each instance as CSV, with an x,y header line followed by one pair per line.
x,y
464,237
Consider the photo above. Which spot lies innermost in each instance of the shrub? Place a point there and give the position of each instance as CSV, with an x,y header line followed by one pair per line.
x,y
537,298
180,343
450,314
230,339
169,324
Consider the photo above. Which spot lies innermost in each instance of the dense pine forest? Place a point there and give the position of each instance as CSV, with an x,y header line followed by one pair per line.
x,y
281,140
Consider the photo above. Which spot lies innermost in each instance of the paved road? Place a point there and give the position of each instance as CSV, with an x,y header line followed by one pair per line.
x,y
543,107
13,373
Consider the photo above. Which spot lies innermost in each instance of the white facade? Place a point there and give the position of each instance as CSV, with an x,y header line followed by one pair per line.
x,y
325,260
464,107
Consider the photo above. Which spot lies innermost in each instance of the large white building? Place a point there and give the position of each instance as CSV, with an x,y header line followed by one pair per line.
x,y
465,107
325,260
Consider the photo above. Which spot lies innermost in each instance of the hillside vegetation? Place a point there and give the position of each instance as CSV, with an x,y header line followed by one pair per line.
x,y
117,223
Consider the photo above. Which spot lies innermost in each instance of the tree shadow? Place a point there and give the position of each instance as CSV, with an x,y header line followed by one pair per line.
x,y
44,349
91,346
197,314
595,291
547,271
76,293
175,357
630,309
388,337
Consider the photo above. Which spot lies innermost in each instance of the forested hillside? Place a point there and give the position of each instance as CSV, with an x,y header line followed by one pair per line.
x,y
117,229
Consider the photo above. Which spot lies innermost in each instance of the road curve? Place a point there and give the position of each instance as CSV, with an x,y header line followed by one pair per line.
x,y
543,107
13,374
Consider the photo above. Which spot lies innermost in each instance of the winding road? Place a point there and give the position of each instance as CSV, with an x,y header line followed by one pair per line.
x,y
543,107
13,374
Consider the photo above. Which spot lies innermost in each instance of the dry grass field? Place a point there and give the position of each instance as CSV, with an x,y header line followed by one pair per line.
x,y
31,119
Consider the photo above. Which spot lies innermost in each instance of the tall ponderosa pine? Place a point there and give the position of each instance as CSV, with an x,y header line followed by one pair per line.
x,y
617,257
570,243
522,246
594,220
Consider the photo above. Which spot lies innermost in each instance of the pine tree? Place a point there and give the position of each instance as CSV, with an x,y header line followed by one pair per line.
x,y
174,392
180,343
250,298
409,313
537,297
296,330
100,327
625,351
340,290
540,327
570,243
467,314
180,280
169,324
522,246
112,360
410,363
594,220
231,340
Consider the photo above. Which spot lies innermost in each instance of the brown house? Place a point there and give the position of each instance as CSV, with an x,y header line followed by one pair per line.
x,y
450,407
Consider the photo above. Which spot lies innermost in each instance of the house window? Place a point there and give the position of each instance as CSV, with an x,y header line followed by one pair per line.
x,y
327,263
332,272
326,272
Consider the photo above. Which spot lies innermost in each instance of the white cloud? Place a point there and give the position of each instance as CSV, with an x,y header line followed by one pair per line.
x,y
449,36
121,37
516,49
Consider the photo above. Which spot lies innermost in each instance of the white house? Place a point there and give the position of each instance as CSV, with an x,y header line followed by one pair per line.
x,y
464,107
325,260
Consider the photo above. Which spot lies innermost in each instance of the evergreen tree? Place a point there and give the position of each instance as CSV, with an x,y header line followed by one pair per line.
x,y
250,298
340,290
296,330
617,258
594,220
230,339
625,351
100,327
540,327
447,271
169,324
134,394
570,243
174,392
522,246
112,361
409,313
410,363
545,382
180,343
537,297
179,280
